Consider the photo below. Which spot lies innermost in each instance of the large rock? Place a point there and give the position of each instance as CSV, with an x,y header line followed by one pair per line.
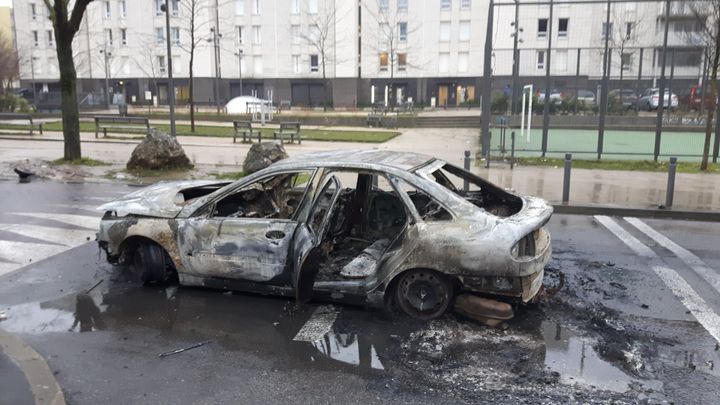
x,y
159,151
262,155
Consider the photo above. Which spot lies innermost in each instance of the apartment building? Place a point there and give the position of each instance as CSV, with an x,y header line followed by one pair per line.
x,y
430,51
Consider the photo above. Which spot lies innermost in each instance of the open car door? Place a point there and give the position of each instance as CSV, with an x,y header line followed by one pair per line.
x,y
308,237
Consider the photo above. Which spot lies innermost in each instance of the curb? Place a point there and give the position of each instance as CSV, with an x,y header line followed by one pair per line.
x,y
44,386
709,216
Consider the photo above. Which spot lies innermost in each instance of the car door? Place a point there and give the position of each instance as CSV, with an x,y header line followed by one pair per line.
x,y
309,235
246,235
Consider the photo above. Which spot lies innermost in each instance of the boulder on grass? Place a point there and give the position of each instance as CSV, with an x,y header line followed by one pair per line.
x,y
262,155
158,151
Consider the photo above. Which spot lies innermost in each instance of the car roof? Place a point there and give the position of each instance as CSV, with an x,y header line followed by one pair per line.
x,y
385,158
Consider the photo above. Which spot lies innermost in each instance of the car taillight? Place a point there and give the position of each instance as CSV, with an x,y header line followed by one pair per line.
x,y
655,98
525,247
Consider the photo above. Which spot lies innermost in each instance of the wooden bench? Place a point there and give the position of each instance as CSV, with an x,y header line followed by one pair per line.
x,y
103,122
245,128
288,128
26,124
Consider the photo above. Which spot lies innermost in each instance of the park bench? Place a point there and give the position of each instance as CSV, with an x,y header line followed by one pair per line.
x,y
245,128
284,105
132,124
377,120
288,128
26,121
374,119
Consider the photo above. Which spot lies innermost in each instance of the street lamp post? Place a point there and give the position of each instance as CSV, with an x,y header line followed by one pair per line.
x,y
171,90
216,81
239,54
107,56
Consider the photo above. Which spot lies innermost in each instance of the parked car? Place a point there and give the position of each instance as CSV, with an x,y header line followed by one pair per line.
x,y
371,227
650,100
695,98
555,96
587,97
627,97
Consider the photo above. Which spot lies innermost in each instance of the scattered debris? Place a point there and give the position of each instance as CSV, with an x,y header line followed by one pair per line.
x,y
23,174
94,286
561,283
644,306
486,311
618,285
184,349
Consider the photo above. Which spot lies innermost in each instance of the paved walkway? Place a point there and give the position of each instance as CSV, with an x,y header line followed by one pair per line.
x,y
617,188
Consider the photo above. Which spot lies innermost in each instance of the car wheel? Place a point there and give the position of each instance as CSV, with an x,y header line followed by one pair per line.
x,y
423,294
649,107
149,261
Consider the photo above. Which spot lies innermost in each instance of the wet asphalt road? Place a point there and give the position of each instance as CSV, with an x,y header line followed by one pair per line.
x,y
616,331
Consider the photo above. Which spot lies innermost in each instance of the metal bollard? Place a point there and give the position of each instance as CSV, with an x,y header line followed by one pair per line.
x,y
466,165
671,183
566,178
512,150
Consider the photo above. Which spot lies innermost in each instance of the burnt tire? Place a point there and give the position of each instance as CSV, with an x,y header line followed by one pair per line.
x,y
423,294
149,261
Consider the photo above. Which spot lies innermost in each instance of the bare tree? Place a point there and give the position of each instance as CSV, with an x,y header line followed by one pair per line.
x,y
146,61
390,40
320,36
65,25
623,39
707,16
191,11
9,67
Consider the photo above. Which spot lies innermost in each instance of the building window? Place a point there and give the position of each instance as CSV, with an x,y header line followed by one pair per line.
x,y
107,9
628,30
239,7
175,35
384,61
626,60
443,62
158,7
563,27
295,32
33,11
464,31
542,27
314,64
445,31
256,7
402,62
50,39
108,37
540,60
159,35
607,30
445,4
465,4
36,42
123,9
314,33
257,65
463,58
402,5
561,60
384,5
177,66
313,6
257,39
175,7
161,64
296,63
295,7
123,36
402,31
240,34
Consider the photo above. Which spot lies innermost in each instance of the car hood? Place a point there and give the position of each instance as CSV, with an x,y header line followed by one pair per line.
x,y
163,200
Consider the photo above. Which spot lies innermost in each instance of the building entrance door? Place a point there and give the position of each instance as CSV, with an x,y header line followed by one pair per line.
x,y
443,92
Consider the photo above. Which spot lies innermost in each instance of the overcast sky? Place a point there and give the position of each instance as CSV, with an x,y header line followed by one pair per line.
x,y
5,3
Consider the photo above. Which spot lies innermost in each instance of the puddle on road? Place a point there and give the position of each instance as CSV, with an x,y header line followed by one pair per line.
x,y
349,349
577,361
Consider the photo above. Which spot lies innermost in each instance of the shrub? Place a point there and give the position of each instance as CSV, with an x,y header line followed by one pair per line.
x,y
500,104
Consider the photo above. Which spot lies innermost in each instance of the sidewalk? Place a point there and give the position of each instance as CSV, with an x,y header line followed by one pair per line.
x,y
614,188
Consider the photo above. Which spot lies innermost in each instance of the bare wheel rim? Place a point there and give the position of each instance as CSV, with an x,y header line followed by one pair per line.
x,y
423,294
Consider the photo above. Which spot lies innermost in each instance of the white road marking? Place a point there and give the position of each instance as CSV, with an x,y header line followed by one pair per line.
x,y
83,221
695,263
24,253
687,295
62,236
319,324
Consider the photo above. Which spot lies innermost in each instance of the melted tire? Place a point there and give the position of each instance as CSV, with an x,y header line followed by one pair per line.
x,y
149,261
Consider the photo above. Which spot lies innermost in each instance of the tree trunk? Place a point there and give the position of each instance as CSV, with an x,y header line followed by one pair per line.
x,y
68,91
711,111
190,90
325,87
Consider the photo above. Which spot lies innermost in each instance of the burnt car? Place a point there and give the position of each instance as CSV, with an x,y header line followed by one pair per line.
x,y
368,227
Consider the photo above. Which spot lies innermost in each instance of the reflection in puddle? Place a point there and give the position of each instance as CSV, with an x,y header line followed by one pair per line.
x,y
349,348
577,362
36,318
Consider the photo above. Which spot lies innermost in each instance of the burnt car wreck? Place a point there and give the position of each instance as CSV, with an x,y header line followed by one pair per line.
x,y
369,227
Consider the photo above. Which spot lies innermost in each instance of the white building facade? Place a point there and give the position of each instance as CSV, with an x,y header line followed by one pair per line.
x,y
374,50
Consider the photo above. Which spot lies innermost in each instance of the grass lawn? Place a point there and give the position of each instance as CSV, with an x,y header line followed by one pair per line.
x,y
217,131
631,165
80,162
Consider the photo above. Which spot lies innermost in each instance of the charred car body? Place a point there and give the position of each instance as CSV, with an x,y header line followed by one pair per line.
x,y
373,227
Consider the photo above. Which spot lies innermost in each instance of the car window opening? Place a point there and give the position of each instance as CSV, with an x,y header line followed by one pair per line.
x,y
481,193
363,224
276,197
